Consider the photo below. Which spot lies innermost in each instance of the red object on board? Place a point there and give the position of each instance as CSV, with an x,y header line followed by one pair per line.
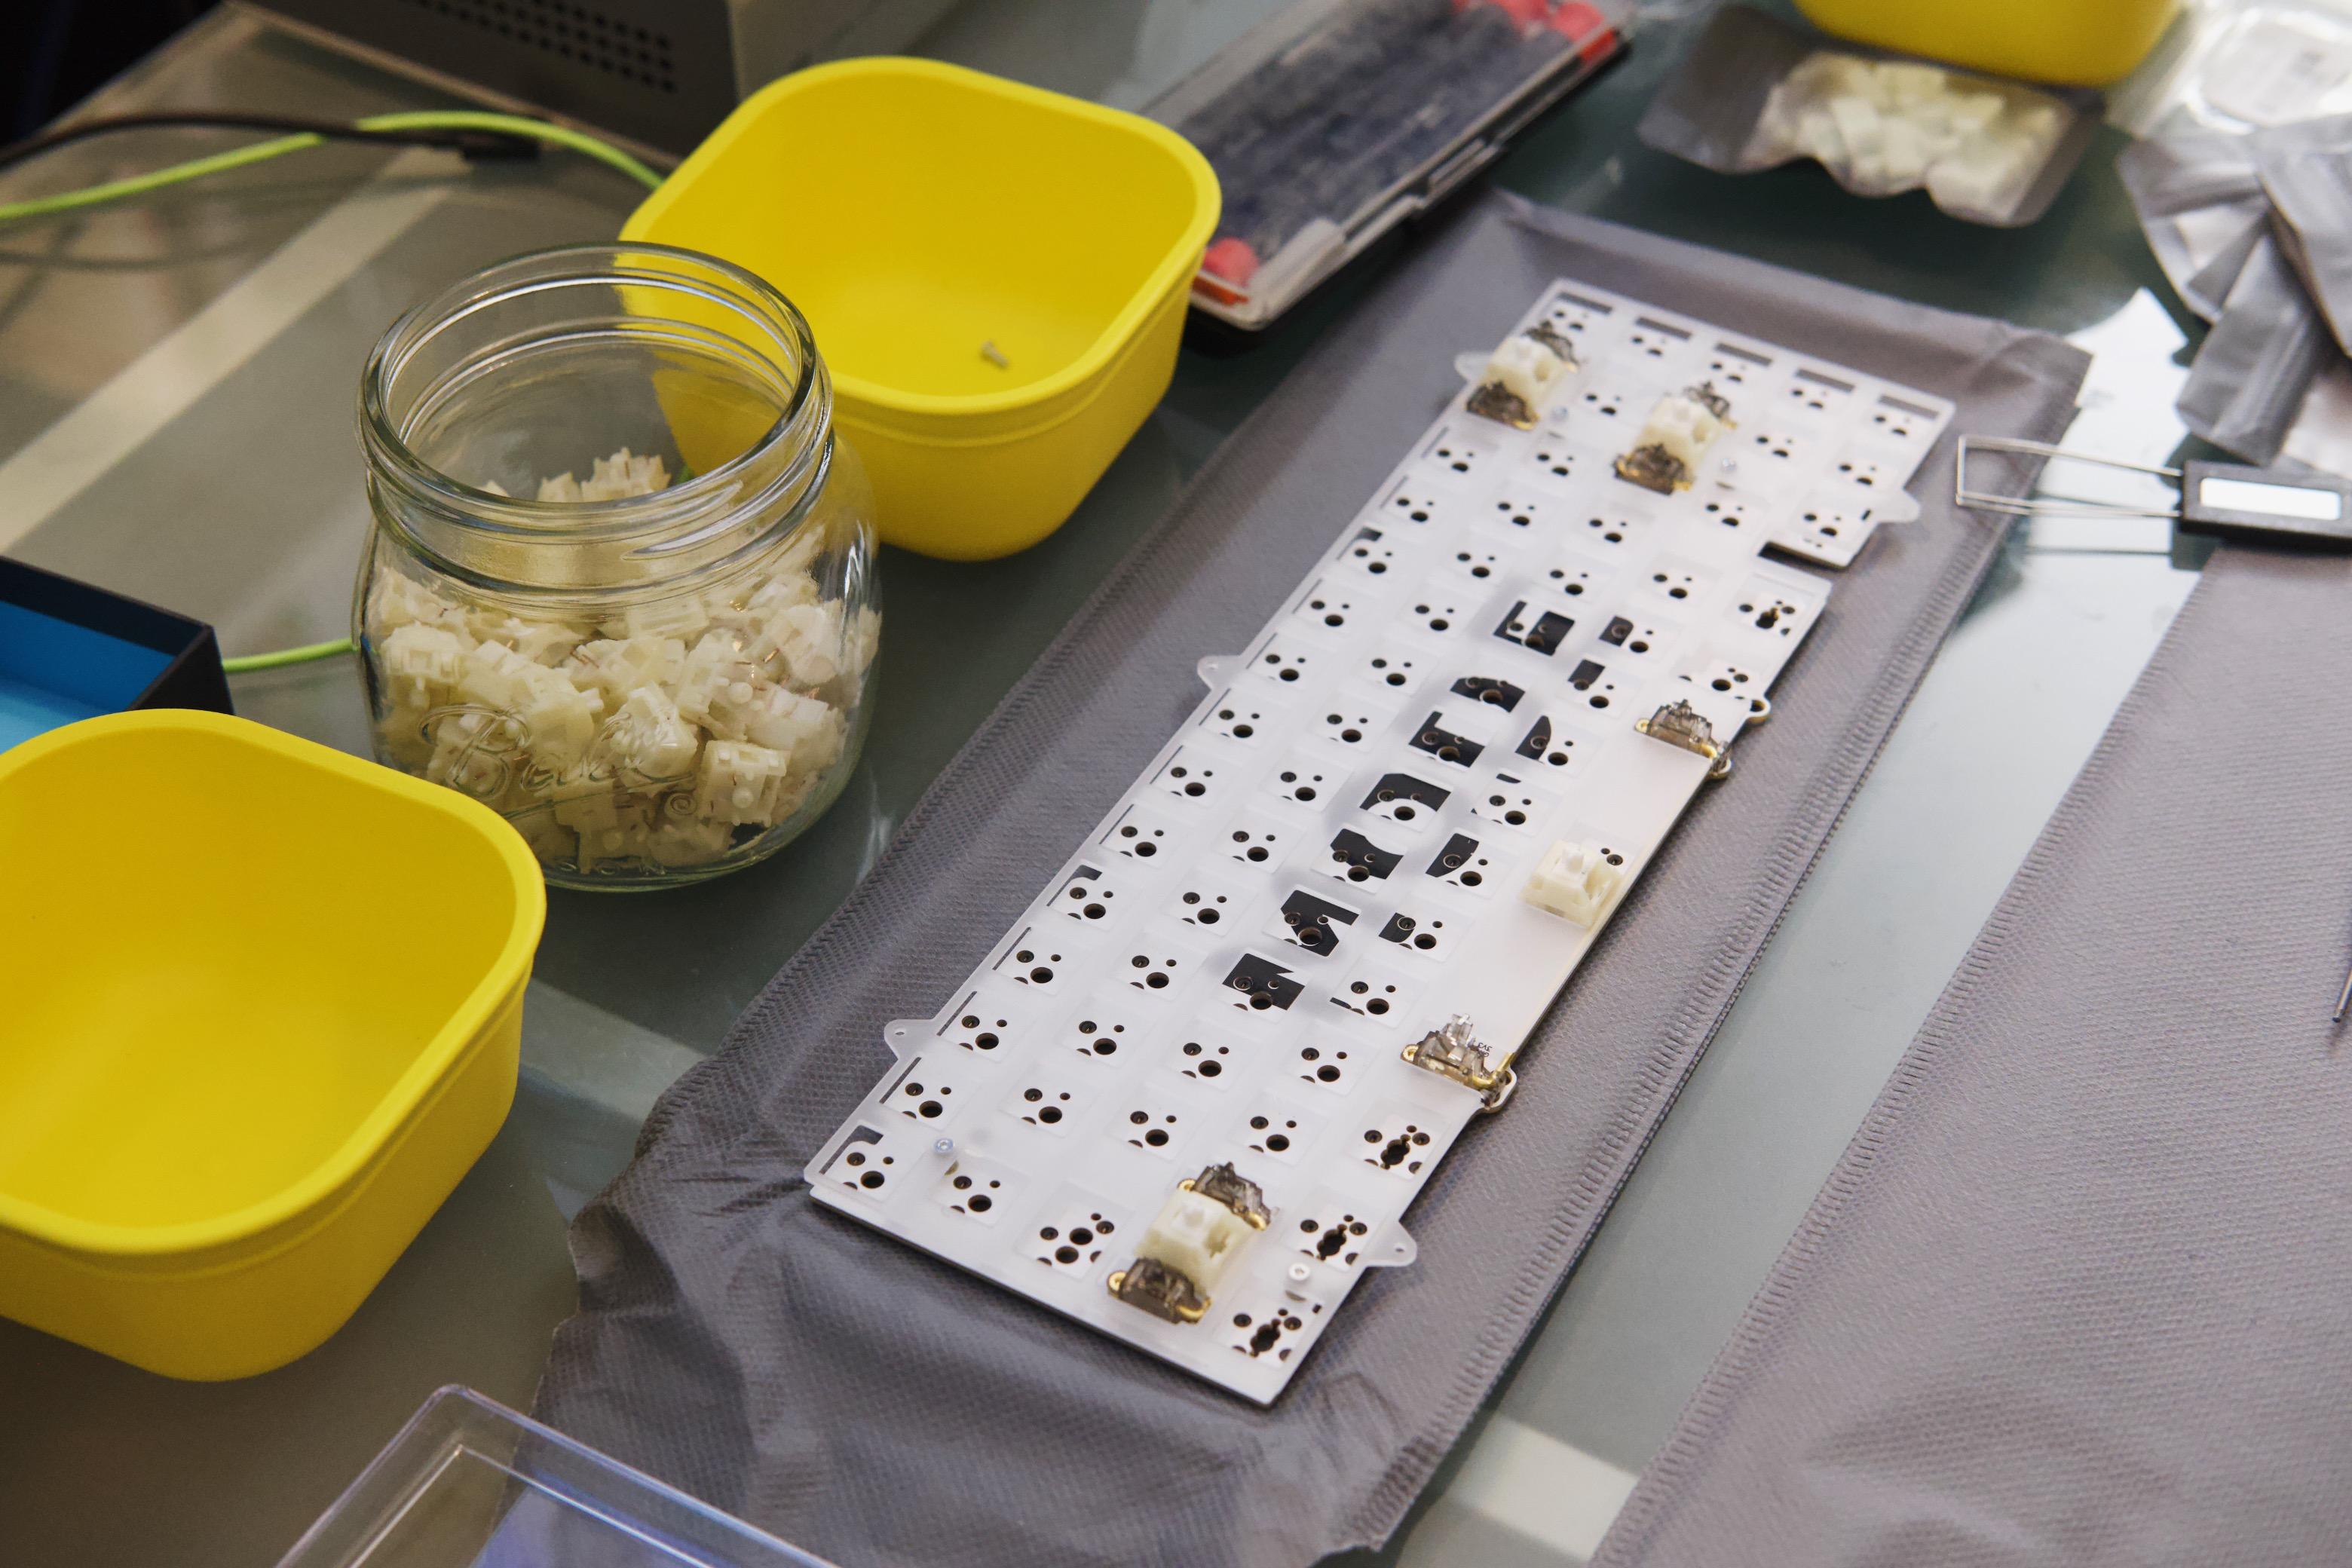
x,y
1526,13
1585,23
1232,259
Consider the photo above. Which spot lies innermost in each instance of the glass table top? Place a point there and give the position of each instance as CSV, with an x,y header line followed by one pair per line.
x,y
177,385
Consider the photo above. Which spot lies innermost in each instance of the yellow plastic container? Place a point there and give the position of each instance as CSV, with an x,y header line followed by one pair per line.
x,y
263,1003
996,275
2075,43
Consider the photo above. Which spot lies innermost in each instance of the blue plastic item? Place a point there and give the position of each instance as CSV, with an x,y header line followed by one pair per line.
x,y
69,651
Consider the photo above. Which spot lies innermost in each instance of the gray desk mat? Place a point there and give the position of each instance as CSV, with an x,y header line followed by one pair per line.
x,y
874,1405
2080,1292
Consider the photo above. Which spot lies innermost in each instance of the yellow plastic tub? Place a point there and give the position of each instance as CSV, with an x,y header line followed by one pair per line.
x,y
996,275
2077,43
263,1003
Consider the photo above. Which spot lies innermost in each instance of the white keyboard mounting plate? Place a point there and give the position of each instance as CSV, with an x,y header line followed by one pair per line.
x,y
1031,1130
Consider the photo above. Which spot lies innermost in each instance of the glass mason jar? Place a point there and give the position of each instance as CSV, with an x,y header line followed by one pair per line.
x,y
620,582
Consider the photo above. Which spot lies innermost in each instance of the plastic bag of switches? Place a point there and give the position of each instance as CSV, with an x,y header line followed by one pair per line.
x,y
1755,92
2256,366
2201,206
2306,173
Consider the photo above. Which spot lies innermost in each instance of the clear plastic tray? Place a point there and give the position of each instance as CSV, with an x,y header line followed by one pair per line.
x,y
1340,120
470,1484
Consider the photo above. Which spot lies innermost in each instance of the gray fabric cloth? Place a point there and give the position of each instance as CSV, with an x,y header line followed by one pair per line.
x,y
873,1405
2080,1292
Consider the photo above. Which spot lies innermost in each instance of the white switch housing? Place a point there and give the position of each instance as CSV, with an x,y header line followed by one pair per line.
x,y
1683,427
1574,881
1525,369
1197,1236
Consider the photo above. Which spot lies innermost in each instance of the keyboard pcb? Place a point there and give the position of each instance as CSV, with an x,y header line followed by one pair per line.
x,y
1189,1096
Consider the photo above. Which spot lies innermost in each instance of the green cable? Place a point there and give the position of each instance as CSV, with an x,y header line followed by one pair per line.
x,y
139,184
516,125
261,152
286,655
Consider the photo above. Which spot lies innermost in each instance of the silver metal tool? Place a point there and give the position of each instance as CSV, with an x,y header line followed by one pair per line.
x,y
2227,500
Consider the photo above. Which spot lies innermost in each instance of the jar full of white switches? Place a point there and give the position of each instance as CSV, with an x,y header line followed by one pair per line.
x,y
620,583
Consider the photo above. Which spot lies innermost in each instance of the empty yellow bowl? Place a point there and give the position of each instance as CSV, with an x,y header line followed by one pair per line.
x,y
263,1003
995,275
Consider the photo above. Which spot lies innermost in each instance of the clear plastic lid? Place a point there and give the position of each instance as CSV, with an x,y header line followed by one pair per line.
x,y
1340,119
470,1484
